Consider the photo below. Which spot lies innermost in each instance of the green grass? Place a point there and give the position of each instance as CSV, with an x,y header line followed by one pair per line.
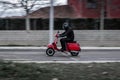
x,y
32,71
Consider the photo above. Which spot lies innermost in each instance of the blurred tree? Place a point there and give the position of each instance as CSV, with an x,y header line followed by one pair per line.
x,y
27,5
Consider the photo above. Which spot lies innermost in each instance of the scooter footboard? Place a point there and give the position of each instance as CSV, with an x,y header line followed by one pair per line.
x,y
73,46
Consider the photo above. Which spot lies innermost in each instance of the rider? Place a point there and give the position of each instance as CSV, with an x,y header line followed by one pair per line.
x,y
68,34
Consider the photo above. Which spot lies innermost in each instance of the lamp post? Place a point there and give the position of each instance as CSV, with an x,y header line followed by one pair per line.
x,y
51,22
102,16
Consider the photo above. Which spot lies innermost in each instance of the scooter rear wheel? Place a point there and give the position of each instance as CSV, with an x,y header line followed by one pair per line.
x,y
74,53
50,52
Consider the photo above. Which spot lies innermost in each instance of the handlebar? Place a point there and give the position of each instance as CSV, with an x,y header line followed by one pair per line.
x,y
57,34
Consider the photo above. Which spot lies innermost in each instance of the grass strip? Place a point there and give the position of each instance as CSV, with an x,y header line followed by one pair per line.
x,y
54,71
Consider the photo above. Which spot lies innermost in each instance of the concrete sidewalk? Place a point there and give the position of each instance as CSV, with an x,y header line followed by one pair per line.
x,y
43,48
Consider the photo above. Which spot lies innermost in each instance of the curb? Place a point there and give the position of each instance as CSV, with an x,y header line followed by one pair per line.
x,y
100,48
43,48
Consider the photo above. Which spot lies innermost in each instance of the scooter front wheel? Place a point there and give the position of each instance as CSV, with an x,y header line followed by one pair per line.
x,y
50,52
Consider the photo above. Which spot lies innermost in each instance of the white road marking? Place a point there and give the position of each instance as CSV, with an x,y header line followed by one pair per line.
x,y
106,58
17,60
68,62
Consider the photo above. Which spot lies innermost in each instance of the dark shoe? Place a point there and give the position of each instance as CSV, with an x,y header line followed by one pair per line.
x,y
62,50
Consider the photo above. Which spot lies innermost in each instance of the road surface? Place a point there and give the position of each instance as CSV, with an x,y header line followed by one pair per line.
x,y
40,55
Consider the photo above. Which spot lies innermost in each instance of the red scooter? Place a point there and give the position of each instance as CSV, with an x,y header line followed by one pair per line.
x,y
71,47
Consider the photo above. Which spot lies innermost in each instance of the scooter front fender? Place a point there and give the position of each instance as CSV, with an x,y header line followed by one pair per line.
x,y
53,46
50,46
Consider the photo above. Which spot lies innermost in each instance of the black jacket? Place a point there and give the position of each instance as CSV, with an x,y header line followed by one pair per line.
x,y
69,34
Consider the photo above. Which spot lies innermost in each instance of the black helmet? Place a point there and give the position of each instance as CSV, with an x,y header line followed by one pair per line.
x,y
66,24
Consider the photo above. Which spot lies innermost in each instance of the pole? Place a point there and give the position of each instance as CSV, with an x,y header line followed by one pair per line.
x,y
102,22
102,16
27,20
27,23
51,22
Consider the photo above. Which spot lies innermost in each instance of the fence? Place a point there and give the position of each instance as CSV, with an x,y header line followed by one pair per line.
x,y
41,37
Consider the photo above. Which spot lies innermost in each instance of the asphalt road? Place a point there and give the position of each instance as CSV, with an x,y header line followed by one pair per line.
x,y
40,55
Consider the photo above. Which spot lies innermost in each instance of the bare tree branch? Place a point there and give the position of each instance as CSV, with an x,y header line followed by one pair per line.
x,y
32,5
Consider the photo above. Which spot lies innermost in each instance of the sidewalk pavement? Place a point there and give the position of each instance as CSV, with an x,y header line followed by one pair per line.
x,y
43,48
